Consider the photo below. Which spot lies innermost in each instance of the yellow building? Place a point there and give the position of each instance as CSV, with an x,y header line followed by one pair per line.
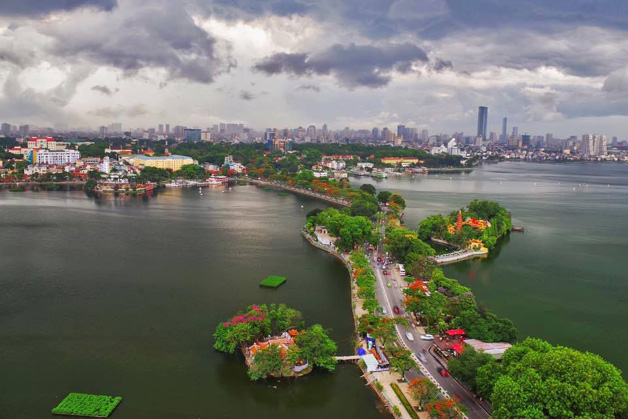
x,y
402,160
172,162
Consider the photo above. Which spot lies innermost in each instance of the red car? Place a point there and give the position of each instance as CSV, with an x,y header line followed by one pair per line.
x,y
396,310
443,372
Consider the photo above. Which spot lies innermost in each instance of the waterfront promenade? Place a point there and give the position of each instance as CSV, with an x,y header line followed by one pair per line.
x,y
457,255
298,190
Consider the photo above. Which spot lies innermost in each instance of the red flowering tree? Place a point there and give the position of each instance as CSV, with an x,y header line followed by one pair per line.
x,y
445,409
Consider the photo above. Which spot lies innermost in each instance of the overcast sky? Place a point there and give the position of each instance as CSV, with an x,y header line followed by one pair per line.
x,y
555,66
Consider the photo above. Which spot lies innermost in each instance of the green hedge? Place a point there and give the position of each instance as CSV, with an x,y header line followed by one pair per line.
x,y
413,414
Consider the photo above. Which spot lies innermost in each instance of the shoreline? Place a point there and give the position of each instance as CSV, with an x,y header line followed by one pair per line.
x,y
386,400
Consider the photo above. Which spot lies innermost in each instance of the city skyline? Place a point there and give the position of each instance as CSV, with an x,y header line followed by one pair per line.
x,y
424,64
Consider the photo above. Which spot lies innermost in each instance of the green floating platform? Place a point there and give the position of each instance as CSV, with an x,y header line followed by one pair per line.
x,y
87,405
273,281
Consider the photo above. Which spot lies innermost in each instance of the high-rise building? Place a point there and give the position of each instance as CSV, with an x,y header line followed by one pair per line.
x,y
161,128
311,131
525,140
192,135
386,135
375,133
482,121
6,129
594,145
401,130
425,135
515,132
103,132
614,142
504,130
25,129
167,128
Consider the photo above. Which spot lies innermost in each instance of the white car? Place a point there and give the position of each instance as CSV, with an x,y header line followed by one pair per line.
x,y
410,336
427,337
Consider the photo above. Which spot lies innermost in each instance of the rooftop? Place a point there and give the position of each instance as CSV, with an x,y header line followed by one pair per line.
x,y
171,157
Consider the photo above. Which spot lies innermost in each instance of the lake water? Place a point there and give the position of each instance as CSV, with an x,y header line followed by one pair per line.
x,y
121,296
565,278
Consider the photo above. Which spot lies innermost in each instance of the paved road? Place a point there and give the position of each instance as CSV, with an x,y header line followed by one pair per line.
x,y
390,297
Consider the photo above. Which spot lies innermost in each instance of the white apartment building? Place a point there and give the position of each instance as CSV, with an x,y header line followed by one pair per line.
x,y
47,157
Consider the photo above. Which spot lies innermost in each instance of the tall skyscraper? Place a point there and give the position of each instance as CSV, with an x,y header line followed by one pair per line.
x,y
401,130
482,121
167,128
515,132
375,133
594,145
504,130
161,128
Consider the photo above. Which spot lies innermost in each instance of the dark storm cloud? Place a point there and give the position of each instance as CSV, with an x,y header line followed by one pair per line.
x,y
161,35
42,7
246,95
103,89
309,87
352,65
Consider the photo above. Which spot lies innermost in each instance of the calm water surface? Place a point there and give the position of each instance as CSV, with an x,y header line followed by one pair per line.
x,y
121,296
565,278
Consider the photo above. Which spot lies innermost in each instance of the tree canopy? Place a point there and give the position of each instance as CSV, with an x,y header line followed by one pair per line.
x,y
538,380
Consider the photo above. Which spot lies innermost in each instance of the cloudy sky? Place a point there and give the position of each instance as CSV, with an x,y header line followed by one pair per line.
x,y
555,66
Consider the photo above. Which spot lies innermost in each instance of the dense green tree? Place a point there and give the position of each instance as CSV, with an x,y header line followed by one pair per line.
x,y
266,363
154,174
363,207
422,267
401,360
397,199
191,171
465,367
313,213
402,242
433,226
369,189
540,380
316,346
383,196
349,230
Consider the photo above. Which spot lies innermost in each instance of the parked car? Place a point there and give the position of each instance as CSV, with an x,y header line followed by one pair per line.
x,y
396,310
443,372
421,357
427,337
386,273
384,311
410,336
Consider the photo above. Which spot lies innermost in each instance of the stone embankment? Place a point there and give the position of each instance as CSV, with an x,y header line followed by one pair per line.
x,y
298,190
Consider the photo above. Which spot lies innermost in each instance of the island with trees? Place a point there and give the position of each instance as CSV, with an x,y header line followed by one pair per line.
x,y
479,225
275,342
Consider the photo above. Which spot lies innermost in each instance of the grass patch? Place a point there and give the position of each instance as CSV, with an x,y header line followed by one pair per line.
x,y
79,404
283,193
17,190
266,188
273,281
404,401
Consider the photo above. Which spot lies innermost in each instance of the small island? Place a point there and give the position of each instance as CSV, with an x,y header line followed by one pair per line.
x,y
275,342
478,226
